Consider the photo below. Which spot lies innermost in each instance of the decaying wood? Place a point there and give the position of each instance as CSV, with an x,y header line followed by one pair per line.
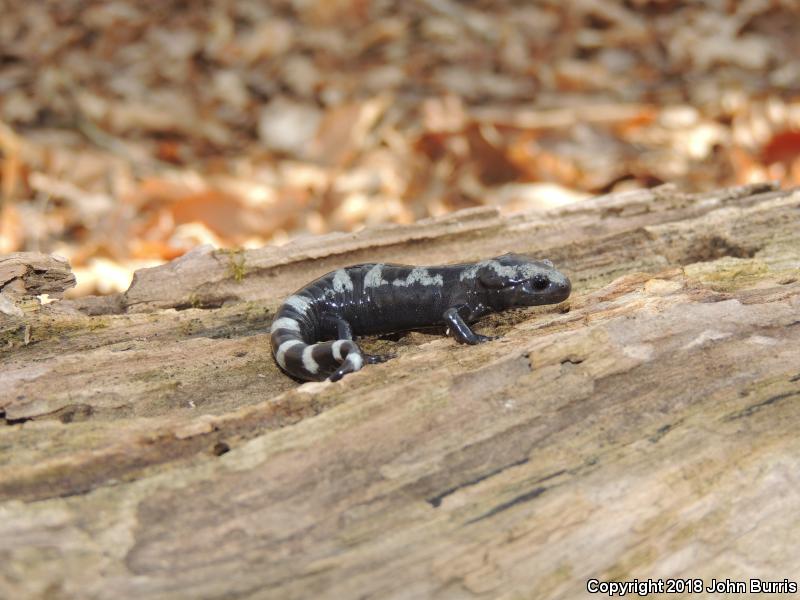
x,y
23,277
33,274
646,428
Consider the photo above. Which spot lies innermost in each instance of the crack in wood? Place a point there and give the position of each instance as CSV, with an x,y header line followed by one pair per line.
x,y
522,498
661,432
571,360
436,501
6,421
754,408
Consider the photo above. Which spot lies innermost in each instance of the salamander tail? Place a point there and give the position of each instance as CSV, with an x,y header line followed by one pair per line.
x,y
312,362
353,361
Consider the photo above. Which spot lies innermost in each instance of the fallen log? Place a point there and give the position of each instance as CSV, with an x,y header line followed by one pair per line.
x,y
646,428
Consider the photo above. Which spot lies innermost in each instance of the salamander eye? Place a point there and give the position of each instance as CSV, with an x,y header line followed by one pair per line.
x,y
539,282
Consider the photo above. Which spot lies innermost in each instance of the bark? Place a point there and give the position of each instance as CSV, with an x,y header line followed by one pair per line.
x,y
33,273
646,428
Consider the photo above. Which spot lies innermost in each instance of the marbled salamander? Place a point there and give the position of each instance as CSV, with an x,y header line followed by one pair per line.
x,y
312,334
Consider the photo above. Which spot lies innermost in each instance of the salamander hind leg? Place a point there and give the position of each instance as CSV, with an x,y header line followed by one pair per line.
x,y
344,331
338,326
351,357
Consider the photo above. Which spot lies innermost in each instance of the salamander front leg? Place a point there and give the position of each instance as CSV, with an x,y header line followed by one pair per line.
x,y
459,329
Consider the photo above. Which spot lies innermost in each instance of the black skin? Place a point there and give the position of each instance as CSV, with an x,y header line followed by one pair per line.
x,y
455,304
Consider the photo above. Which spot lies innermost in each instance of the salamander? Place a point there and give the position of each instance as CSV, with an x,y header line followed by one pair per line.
x,y
313,333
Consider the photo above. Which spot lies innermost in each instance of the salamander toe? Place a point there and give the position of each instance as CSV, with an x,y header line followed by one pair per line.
x,y
373,359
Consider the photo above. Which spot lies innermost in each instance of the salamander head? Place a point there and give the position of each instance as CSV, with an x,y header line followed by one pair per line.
x,y
516,280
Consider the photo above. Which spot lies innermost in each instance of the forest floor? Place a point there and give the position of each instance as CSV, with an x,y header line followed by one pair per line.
x,y
130,133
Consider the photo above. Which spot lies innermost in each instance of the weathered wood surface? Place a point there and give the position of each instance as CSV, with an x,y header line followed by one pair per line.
x,y
32,273
646,428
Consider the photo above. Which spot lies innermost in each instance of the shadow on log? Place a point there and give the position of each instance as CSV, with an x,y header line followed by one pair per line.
x,y
150,448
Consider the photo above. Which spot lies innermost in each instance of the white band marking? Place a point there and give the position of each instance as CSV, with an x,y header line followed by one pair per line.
x,y
354,358
285,323
342,281
280,354
374,277
309,363
419,275
336,349
299,303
